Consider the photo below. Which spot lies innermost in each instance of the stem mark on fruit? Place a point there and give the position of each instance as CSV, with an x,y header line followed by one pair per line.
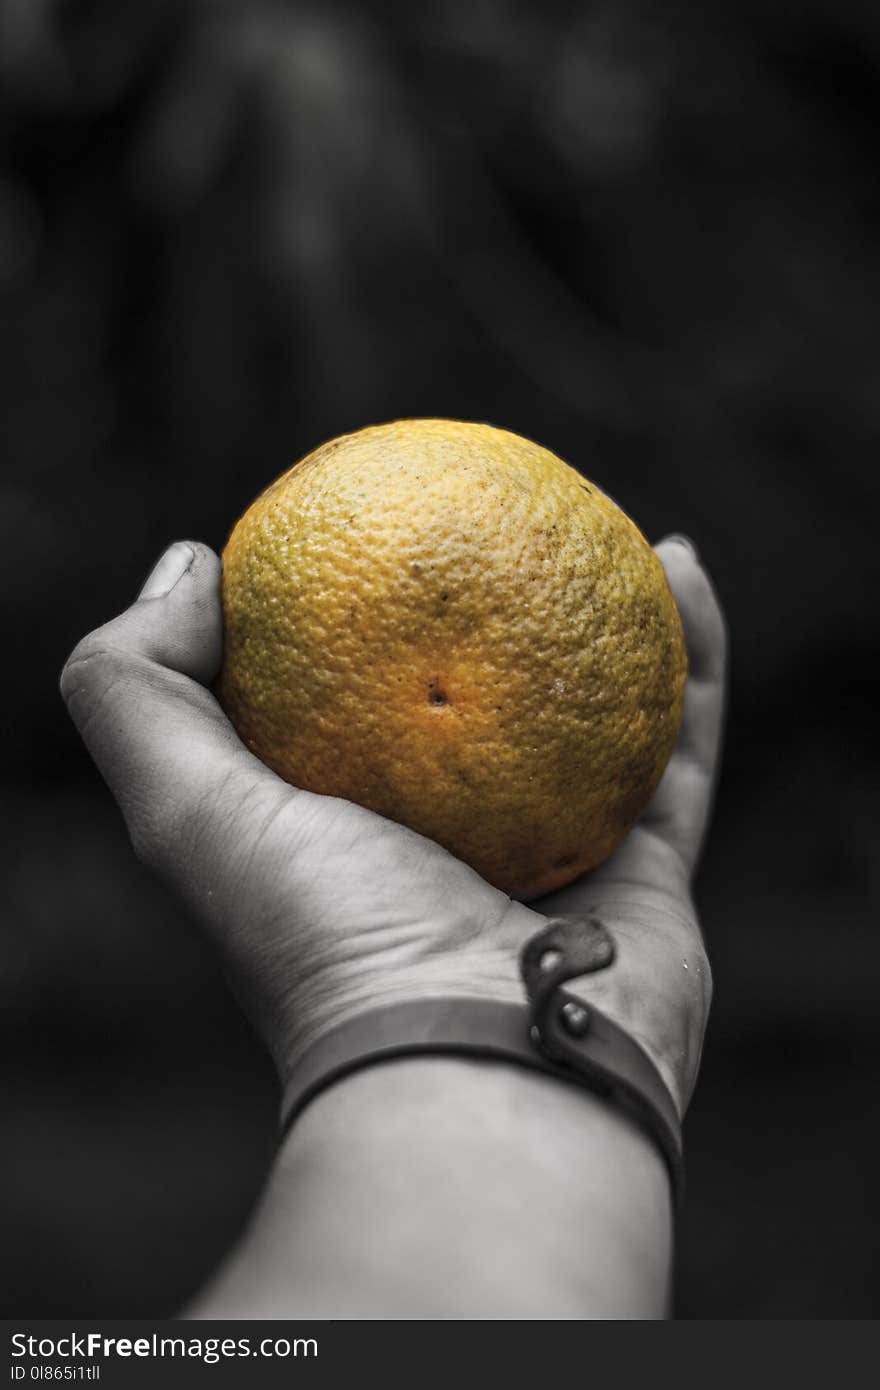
x,y
436,696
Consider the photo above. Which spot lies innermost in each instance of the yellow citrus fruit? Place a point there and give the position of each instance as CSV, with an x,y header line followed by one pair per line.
x,y
445,623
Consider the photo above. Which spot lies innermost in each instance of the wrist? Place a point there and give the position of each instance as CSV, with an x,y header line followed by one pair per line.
x,y
438,1187
656,991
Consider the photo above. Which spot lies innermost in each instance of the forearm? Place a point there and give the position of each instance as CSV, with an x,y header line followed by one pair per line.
x,y
441,1188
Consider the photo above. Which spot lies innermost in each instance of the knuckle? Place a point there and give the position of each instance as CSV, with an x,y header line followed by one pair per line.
x,y
81,667
91,648
89,676
72,669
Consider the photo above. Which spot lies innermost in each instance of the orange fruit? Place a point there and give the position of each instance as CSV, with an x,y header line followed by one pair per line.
x,y
445,623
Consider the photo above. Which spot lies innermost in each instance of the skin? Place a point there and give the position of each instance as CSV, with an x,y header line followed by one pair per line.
x,y
320,909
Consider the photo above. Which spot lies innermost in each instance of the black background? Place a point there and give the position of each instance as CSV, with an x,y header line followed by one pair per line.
x,y
643,234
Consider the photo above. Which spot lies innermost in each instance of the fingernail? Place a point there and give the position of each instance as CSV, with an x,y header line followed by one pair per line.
x,y
170,567
686,543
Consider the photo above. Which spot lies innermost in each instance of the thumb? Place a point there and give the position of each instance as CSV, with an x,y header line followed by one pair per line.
x,y
136,690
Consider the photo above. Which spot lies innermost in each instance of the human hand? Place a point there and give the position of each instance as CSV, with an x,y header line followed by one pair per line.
x,y
321,909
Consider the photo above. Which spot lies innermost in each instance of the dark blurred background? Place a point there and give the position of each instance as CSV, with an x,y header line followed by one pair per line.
x,y
642,233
